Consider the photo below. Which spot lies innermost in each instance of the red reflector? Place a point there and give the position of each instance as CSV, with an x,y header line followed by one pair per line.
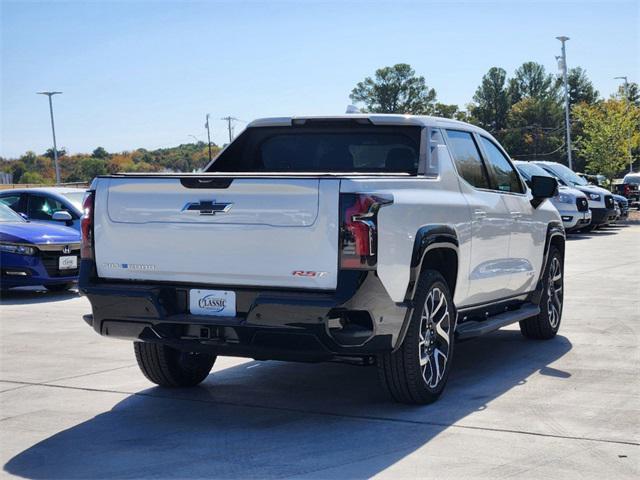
x,y
86,224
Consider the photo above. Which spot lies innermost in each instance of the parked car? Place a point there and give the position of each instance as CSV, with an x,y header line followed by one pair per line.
x,y
59,205
622,206
601,201
630,188
370,238
572,204
33,253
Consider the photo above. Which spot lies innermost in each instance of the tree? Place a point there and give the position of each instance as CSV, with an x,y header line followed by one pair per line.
x,y
445,111
633,94
395,89
49,153
534,130
491,101
609,130
100,153
531,80
580,87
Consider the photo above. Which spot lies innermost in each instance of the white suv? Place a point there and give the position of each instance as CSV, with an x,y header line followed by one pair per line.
x,y
378,239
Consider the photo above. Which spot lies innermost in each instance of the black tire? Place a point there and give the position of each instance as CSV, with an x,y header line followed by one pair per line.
x,y
408,373
546,324
168,367
59,287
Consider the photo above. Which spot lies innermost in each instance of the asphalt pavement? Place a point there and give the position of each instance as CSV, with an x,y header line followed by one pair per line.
x,y
74,405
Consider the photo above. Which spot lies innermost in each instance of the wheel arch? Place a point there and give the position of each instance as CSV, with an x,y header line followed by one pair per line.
x,y
555,237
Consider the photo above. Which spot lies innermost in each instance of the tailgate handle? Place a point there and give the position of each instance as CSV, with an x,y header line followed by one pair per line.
x,y
207,207
206,182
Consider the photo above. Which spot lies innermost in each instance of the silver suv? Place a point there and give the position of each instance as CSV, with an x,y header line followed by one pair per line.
x,y
572,204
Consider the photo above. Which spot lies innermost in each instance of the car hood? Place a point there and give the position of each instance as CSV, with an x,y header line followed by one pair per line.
x,y
571,191
37,233
592,189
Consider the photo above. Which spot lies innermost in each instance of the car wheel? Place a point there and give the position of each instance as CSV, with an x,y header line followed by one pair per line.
x,y
417,372
59,287
545,325
168,367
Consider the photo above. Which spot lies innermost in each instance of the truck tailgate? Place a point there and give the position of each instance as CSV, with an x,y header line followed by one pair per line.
x,y
243,231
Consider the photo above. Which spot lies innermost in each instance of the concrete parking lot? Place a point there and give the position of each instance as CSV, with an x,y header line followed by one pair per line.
x,y
74,405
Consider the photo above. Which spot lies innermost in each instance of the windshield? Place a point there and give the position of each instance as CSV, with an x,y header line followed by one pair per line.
x,y
528,170
634,179
568,177
8,215
75,198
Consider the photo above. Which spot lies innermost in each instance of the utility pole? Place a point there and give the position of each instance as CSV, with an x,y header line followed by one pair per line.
x,y
626,95
562,64
206,125
53,130
229,127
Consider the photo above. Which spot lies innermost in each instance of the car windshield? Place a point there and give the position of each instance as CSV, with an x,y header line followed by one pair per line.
x,y
528,170
75,198
568,176
634,179
8,215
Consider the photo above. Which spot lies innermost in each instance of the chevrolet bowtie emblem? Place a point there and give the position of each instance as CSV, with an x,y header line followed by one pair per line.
x,y
207,207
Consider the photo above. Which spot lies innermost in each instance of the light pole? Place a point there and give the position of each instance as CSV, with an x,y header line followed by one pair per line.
x,y
562,64
53,130
206,125
626,95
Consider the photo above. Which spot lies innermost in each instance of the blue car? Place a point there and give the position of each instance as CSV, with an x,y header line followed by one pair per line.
x,y
57,205
33,253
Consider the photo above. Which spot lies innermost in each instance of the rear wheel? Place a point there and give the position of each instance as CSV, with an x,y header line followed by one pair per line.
x,y
168,367
546,324
417,372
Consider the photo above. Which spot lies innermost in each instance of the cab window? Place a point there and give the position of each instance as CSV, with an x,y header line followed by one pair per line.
x,y
467,158
503,175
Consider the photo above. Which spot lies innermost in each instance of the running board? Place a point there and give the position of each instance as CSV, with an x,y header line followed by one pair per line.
x,y
473,328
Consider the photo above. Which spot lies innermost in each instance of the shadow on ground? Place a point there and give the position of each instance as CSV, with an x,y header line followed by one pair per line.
x,y
275,419
31,295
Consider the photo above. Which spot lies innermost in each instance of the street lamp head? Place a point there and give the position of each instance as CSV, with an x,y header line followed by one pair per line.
x,y
620,78
562,38
48,93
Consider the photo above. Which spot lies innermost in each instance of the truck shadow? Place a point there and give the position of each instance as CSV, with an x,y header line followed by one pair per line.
x,y
275,419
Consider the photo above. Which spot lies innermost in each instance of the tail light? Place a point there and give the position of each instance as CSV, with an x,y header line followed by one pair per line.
x,y
86,245
626,190
358,229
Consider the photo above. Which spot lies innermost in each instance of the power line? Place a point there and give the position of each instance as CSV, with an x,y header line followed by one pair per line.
x,y
230,119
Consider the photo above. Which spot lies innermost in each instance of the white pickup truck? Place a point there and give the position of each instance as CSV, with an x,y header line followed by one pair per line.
x,y
377,239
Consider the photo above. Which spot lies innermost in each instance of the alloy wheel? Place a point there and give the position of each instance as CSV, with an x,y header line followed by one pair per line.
x,y
433,342
554,292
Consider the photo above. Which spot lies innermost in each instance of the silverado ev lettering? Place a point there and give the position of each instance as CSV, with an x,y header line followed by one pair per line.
x,y
381,239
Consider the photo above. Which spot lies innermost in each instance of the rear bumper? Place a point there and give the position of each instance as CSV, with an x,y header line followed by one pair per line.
x,y
358,319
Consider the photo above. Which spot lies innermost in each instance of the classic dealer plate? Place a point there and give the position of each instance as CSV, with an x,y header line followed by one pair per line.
x,y
218,303
68,262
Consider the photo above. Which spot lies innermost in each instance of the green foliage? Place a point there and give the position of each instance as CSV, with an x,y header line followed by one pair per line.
x,y
532,81
445,111
32,177
491,101
633,93
609,131
100,153
580,87
395,89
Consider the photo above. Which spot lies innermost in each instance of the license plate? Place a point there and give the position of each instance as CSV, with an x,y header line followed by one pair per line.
x,y
217,303
68,263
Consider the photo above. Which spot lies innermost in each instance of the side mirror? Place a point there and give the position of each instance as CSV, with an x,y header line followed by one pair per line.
x,y
24,215
542,188
62,216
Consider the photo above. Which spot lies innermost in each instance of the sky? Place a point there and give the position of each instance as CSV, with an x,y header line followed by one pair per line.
x,y
144,73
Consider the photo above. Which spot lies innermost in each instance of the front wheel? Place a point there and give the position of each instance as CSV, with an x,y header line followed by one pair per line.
x,y
168,367
417,372
545,325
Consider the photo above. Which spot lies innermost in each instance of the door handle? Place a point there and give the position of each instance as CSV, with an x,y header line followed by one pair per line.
x,y
479,214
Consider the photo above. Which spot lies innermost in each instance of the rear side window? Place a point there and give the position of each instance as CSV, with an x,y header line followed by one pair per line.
x,y
12,201
504,176
306,149
467,158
